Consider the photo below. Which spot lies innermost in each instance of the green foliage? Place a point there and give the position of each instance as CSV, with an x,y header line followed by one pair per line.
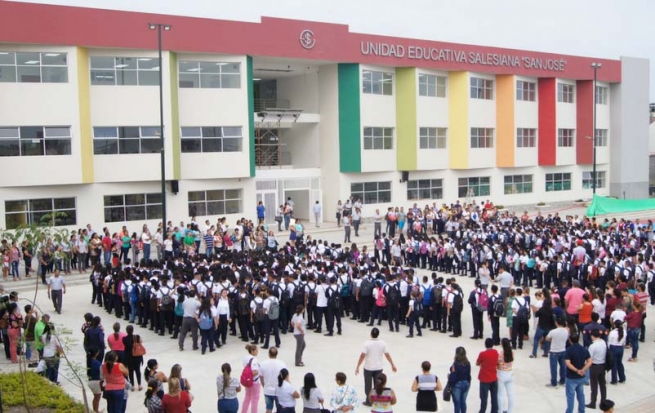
x,y
40,393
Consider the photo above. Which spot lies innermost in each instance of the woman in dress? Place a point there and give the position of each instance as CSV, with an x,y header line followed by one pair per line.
x,y
344,396
425,385
312,397
227,388
505,377
381,397
460,379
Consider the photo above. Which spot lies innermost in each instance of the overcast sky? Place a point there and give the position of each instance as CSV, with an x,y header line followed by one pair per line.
x,y
596,28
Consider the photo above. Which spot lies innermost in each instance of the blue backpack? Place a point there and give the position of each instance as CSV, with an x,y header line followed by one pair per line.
x,y
206,321
427,296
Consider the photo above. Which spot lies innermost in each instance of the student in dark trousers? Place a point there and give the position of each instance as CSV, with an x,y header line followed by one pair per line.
x,y
491,315
488,376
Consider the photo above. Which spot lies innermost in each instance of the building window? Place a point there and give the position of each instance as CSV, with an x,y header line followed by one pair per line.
x,y
526,138
378,138
476,186
482,138
482,88
46,212
371,192
215,202
33,67
425,189
377,83
132,207
565,138
432,138
125,71
526,91
35,141
431,85
602,95
601,137
558,182
197,139
210,75
587,180
113,140
565,93
518,184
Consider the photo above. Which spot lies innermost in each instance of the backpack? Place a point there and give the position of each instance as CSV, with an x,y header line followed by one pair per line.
x,y
523,313
312,297
243,307
167,301
483,300
179,310
418,306
594,273
135,293
458,304
299,293
137,347
427,295
259,311
393,295
145,294
437,294
345,288
206,321
247,378
366,288
285,298
273,309
498,307
381,301
334,299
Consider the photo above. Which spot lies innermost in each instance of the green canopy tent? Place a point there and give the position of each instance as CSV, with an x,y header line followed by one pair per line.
x,y
601,205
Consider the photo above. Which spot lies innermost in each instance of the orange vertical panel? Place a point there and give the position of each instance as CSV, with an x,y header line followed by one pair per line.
x,y
505,127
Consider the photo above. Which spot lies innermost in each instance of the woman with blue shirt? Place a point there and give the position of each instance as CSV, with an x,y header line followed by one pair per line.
x,y
460,379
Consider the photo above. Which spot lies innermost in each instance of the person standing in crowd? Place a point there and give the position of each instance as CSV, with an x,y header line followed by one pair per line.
x,y
132,362
545,323
227,388
521,318
176,400
115,342
152,400
346,228
93,367
382,397
557,354
251,400
414,310
578,362
598,352
114,374
95,337
299,327
459,379
189,322
634,320
30,321
261,213
488,360
479,300
505,377
312,397
495,310
14,326
616,342
285,394
372,355
344,397
268,373
56,289
317,213
455,300
425,385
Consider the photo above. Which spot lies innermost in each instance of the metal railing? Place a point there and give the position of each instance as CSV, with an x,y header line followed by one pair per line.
x,y
263,104
271,155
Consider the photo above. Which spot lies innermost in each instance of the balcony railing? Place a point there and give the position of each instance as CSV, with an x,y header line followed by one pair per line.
x,y
264,104
271,155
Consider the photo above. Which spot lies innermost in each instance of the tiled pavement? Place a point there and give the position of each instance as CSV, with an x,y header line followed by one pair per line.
x,y
646,405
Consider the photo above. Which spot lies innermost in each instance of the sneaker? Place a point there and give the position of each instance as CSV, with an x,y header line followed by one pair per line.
x,y
409,335
550,386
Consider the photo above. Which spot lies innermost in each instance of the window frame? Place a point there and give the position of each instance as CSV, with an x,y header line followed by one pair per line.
x,y
432,137
200,205
563,179
417,189
370,195
30,213
25,145
565,93
124,140
482,138
601,95
566,138
208,79
128,76
526,141
601,138
433,86
587,180
43,67
151,210
475,183
518,184
526,91
204,141
481,88
378,82
376,138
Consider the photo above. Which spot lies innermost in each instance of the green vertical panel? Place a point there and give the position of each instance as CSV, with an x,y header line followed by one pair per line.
x,y
251,115
350,145
175,119
406,128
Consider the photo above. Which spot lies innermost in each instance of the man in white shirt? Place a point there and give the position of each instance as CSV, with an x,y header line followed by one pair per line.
x,y
598,353
321,304
372,356
268,372
56,289
377,224
519,323
189,321
557,354
317,213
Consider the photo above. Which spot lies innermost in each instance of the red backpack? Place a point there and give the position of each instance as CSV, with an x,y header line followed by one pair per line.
x,y
247,378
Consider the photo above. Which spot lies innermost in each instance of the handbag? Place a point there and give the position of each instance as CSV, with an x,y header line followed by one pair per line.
x,y
137,347
447,392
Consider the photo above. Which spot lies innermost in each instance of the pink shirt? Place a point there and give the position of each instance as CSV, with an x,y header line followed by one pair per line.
x,y
116,344
573,299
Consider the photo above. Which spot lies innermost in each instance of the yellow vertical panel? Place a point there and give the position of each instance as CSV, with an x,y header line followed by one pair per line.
x,y
458,134
505,126
84,102
406,129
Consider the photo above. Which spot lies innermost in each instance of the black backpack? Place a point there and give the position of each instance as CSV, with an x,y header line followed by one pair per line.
x,y
312,296
497,307
334,298
458,303
437,294
366,288
285,297
167,301
392,294
244,305
523,313
299,293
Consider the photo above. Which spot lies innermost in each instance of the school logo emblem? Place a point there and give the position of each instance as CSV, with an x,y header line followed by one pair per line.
x,y
307,40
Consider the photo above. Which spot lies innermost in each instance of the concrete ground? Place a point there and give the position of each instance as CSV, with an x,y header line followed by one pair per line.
x,y
325,356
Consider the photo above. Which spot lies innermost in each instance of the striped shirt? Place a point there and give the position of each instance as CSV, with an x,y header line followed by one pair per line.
x,y
209,242
427,382
381,403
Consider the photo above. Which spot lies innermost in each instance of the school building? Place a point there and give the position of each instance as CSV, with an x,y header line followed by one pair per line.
x,y
285,108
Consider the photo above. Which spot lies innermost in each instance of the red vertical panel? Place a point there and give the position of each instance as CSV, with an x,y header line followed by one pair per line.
x,y
584,100
547,126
